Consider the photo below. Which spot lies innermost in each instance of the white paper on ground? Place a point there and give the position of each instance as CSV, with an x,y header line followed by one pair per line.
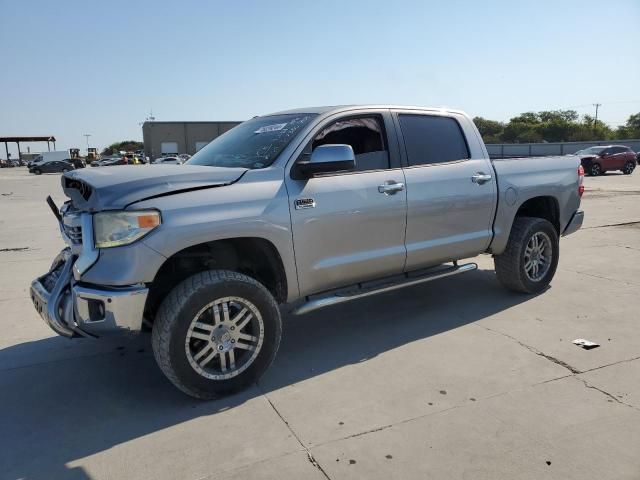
x,y
586,344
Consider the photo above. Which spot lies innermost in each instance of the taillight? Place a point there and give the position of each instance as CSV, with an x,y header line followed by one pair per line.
x,y
580,180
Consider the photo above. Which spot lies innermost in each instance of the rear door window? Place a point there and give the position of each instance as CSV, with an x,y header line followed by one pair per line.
x,y
432,139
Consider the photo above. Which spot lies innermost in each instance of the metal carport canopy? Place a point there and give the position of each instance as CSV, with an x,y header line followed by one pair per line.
x,y
6,140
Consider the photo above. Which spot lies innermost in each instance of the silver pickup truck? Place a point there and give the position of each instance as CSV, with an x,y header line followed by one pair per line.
x,y
305,208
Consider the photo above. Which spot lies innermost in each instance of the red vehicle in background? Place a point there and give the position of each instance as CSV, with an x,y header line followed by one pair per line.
x,y
601,159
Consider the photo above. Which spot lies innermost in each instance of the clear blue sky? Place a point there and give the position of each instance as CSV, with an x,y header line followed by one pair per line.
x,y
75,67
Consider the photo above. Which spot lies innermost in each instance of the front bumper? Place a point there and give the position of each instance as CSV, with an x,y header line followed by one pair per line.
x,y
72,309
574,224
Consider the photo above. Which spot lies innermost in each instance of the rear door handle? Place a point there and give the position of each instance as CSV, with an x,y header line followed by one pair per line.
x,y
390,188
480,178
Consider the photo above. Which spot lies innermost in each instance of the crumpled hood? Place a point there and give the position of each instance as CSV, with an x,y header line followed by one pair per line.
x,y
109,188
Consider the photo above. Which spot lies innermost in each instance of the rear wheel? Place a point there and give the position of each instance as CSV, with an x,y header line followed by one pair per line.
x,y
595,170
65,170
629,167
530,260
216,333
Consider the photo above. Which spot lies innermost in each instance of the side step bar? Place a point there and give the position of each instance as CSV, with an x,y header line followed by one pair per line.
x,y
324,300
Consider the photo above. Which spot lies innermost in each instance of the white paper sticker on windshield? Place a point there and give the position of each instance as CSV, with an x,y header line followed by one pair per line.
x,y
271,128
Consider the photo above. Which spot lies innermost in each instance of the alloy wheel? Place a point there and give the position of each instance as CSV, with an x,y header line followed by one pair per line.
x,y
537,256
224,338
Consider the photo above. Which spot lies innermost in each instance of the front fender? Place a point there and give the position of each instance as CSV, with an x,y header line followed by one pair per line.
x,y
257,206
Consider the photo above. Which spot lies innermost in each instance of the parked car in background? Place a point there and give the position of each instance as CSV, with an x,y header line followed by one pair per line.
x,y
45,157
113,162
184,157
4,163
55,166
13,162
168,160
603,158
77,162
106,161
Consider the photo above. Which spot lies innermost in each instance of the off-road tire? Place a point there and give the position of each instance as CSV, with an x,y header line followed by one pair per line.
x,y
629,167
510,264
595,169
178,310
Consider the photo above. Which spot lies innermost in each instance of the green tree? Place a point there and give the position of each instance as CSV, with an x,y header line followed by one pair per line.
x,y
631,129
490,130
126,145
557,125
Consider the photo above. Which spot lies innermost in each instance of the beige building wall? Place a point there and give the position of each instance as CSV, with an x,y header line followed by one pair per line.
x,y
186,136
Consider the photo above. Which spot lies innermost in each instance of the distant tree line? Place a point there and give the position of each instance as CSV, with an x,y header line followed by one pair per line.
x,y
126,146
554,126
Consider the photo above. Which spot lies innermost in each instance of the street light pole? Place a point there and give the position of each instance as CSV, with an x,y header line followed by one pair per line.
x,y
87,135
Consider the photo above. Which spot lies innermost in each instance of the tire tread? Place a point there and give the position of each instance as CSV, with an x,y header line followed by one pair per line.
x,y
169,312
508,264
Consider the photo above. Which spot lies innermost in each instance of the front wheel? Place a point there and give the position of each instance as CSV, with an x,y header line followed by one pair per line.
x,y
216,333
37,172
595,170
530,260
629,167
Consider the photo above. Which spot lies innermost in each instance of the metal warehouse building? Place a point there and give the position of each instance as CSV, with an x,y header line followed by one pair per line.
x,y
172,138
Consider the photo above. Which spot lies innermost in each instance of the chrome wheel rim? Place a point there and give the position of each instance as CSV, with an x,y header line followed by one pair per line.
x,y
224,338
537,256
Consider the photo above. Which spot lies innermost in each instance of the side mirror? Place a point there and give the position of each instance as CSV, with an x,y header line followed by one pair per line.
x,y
327,159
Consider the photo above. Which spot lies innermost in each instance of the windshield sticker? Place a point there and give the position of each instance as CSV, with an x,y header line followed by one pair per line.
x,y
271,128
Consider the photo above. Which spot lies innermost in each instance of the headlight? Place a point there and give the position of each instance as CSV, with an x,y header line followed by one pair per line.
x,y
112,229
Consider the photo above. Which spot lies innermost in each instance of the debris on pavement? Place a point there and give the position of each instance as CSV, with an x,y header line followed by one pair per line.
x,y
14,249
586,344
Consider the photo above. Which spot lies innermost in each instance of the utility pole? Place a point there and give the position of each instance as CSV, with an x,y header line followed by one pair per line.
x,y
87,135
595,121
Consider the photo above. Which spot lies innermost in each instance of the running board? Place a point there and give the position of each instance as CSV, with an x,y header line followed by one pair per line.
x,y
408,279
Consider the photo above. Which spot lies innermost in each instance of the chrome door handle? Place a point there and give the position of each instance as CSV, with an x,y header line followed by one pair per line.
x,y
390,188
480,178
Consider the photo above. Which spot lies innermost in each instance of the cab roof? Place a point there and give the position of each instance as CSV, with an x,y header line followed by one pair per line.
x,y
346,108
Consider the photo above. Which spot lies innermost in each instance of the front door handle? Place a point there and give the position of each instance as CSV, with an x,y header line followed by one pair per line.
x,y
390,188
481,178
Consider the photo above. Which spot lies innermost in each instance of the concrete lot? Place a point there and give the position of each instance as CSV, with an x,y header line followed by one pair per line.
x,y
452,379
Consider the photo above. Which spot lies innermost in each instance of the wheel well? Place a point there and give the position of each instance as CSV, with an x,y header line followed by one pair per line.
x,y
255,257
541,207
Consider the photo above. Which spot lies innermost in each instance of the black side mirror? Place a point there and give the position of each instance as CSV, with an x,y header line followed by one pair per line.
x,y
328,159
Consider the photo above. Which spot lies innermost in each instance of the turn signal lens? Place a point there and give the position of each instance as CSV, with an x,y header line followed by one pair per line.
x,y
148,221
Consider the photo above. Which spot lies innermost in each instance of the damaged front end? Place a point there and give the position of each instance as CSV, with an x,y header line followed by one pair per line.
x,y
72,308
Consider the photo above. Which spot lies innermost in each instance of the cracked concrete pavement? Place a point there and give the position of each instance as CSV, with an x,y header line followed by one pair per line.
x,y
453,379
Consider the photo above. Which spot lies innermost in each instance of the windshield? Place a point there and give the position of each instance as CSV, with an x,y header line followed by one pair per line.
x,y
255,143
590,151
